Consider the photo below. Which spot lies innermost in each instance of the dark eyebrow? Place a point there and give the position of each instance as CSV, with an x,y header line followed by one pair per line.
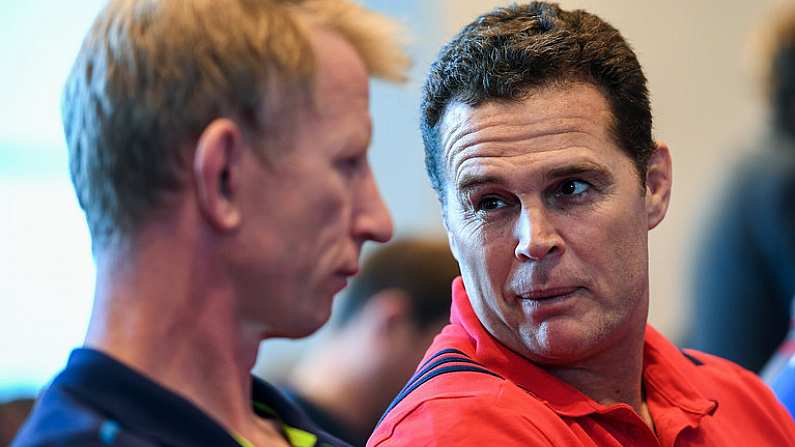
x,y
584,168
469,181
579,169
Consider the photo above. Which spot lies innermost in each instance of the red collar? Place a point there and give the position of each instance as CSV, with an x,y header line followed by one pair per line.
x,y
665,370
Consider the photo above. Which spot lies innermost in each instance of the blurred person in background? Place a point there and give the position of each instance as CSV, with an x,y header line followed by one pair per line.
x,y
537,127
384,323
744,275
219,151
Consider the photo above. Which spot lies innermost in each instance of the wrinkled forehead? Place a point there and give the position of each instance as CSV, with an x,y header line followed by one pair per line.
x,y
547,119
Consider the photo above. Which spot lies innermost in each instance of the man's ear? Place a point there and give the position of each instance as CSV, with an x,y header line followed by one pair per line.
x,y
658,184
216,172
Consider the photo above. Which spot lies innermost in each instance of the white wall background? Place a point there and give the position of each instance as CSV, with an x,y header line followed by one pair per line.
x,y
46,273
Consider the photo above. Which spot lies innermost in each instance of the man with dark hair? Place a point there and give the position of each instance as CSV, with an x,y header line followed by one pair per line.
x,y
383,325
537,132
219,151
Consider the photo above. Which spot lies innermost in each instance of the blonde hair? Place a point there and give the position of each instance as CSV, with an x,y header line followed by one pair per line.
x,y
152,74
372,35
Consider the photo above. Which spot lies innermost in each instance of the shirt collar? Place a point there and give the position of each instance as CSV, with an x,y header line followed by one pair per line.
x,y
669,372
666,369
147,408
139,403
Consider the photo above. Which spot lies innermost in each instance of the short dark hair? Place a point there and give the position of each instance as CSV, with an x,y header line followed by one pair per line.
x,y
508,52
423,269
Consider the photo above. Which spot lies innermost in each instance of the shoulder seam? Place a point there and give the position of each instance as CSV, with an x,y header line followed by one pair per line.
x,y
431,369
693,359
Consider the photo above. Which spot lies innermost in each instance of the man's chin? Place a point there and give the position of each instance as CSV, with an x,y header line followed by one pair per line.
x,y
291,333
308,325
295,329
561,344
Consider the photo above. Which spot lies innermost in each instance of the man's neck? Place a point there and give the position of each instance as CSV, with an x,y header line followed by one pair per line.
x,y
158,312
612,377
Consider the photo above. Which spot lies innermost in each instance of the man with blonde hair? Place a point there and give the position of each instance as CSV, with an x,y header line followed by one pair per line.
x,y
219,151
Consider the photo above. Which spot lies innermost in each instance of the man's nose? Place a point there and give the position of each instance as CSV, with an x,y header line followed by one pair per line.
x,y
371,220
536,235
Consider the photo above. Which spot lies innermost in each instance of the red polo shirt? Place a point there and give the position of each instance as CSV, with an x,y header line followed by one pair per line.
x,y
478,392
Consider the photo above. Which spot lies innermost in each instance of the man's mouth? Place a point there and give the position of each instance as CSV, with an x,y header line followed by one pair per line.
x,y
548,294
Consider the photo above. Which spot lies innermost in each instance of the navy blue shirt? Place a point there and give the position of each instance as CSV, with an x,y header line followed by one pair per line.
x,y
98,401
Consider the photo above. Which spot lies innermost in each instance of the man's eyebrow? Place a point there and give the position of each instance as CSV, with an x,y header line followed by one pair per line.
x,y
474,180
468,181
580,168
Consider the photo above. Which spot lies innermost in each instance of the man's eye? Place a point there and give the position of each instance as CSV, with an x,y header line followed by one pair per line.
x,y
490,203
573,187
